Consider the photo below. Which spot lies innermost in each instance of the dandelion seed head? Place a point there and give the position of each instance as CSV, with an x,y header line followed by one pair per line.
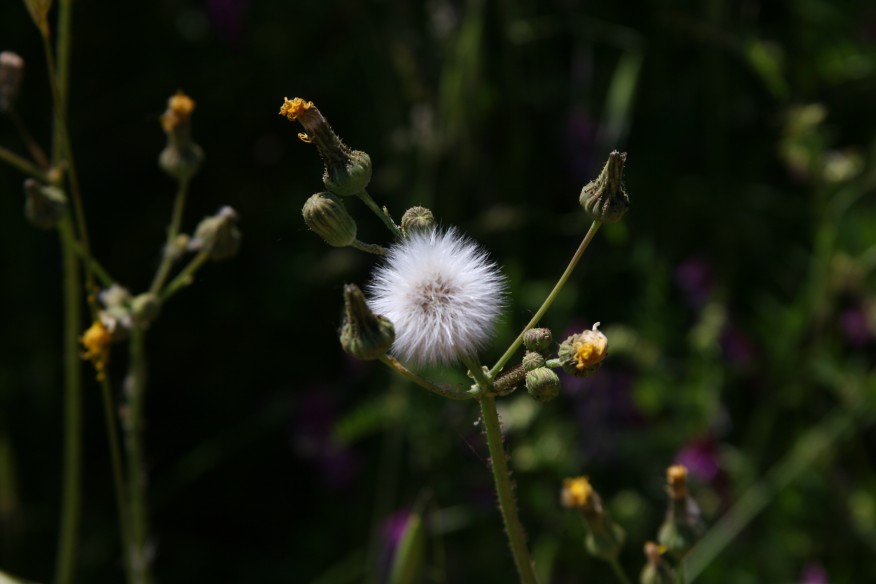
x,y
441,292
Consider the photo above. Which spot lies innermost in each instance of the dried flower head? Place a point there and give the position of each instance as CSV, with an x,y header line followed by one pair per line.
x,y
583,353
441,292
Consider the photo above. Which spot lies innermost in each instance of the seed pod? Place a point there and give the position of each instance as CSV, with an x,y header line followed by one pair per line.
x,y
605,197
326,216
417,219
542,384
364,334
538,339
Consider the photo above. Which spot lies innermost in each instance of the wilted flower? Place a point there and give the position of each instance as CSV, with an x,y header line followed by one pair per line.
x,y
442,293
96,341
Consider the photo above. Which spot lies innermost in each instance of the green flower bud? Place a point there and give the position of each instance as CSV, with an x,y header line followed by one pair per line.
x,y
145,308
326,216
349,176
542,384
583,353
11,72
604,538
656,571
347,172
417,219
218,235
44,205
538,339
605,197
532,361
683,525
181,158
363,334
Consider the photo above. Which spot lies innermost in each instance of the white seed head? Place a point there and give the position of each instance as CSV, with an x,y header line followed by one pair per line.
x,y
441,292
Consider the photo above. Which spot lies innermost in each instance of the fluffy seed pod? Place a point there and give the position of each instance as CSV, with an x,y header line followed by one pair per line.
x,y
326,216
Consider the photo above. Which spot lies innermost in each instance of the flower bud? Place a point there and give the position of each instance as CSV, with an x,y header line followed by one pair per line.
x,y
363,334
605,538
542,384
116,314
347,171
605,197
417,219
44,205
326,216
145,308
181,158
532,360
683,525
96,341
582,354
11,72
218,235
538,339
656,571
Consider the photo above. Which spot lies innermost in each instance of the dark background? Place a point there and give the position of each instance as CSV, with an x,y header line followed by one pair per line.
x,y
738,293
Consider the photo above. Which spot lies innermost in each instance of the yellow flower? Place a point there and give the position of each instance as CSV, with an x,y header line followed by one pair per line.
x,y
293,108
179,109
97,340
576,492
676,479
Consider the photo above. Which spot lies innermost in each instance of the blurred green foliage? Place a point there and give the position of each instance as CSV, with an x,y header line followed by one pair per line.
x,y
737,295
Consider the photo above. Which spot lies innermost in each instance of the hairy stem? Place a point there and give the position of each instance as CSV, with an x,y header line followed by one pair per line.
x,y
594,227
381,213
504,489
135,386
441,390
369,247
71,498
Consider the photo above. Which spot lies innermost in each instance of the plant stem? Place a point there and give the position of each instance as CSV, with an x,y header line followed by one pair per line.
x,y
594,227
35,151
185,277
135,386
22,164
98,270
118,474
504,489
394,364
369,247
170,255
618,571
71,499
381,213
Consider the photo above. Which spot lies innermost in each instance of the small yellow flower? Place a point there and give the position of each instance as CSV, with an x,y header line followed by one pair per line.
x,y
590,350
576,492
676,479
97,340
293,108
179,109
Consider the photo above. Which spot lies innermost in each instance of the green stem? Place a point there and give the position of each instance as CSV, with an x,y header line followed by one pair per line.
x,y
680,575
136,387
618,571
98,270
381,213
22,164
185,277
594,227
504,490
71,501
170,255
118,474
809,447
369,247
394,364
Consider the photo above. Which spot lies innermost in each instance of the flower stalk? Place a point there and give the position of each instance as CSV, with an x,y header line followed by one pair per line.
x,y
135,387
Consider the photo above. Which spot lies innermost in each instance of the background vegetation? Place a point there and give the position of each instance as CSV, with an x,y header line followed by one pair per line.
x,y
737,295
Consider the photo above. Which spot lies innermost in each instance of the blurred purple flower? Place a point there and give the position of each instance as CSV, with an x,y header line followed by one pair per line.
x,y
314,440
855,326
814,574
393,529
694,278
227,17
701,459
737,348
